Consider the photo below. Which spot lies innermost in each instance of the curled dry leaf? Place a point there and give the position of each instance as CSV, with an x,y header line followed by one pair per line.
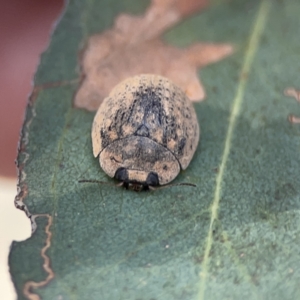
x,y
133,47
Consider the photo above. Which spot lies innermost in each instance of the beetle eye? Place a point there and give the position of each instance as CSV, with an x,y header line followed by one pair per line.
x,y
152,179
121,174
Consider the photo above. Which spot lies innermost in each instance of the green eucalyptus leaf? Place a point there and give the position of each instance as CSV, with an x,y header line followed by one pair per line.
x,y
235,236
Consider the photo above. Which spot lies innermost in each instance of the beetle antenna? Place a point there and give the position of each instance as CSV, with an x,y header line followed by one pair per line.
x,y
100,182
171,185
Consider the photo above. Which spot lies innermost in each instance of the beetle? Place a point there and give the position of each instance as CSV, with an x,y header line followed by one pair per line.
x,y
144,132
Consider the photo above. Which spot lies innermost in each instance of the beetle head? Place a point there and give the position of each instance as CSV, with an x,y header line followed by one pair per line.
x,y
136,180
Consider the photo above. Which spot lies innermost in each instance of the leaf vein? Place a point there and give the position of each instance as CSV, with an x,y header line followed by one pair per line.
x,y
246,67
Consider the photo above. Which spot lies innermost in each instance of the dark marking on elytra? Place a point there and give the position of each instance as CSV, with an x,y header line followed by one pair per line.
x,y
181,145
105,138
142,131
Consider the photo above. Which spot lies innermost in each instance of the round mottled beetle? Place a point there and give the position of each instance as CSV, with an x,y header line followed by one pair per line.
x,y
145,131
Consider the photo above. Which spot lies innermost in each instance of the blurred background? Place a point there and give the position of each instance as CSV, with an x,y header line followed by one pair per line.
x,y
25,28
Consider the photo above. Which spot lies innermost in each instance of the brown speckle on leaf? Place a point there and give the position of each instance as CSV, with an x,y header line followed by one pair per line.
x,y
291,92
133,46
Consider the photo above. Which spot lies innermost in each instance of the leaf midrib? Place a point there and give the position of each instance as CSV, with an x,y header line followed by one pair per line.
x,y
256,33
